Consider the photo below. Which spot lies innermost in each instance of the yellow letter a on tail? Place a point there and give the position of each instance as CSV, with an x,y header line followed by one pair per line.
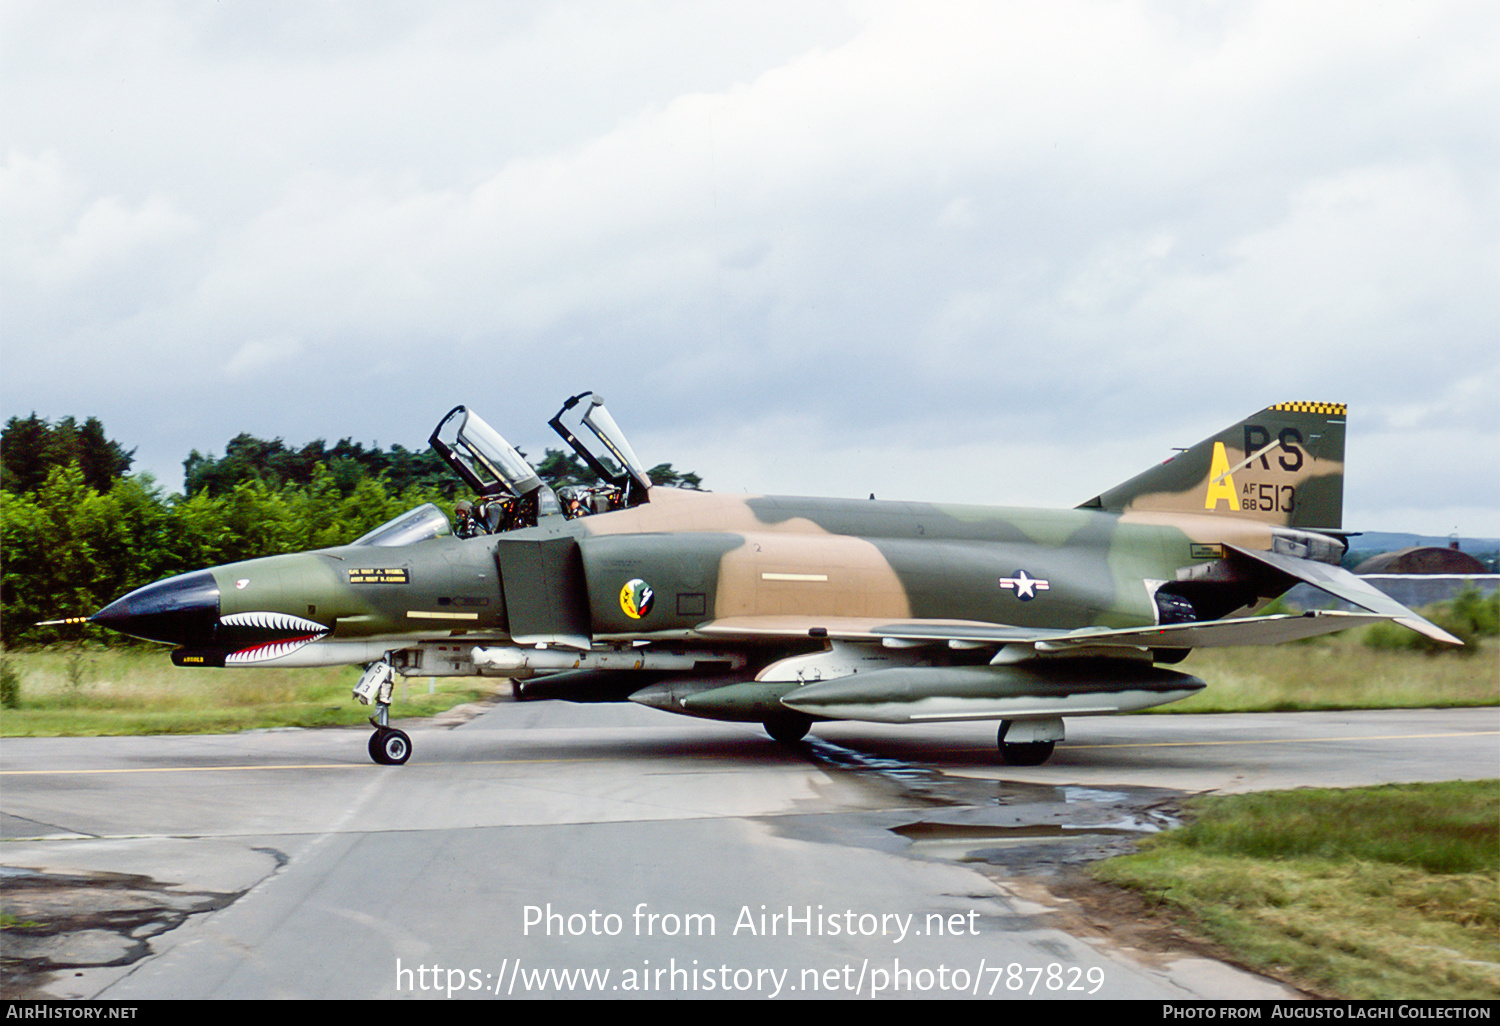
x,y
1220,481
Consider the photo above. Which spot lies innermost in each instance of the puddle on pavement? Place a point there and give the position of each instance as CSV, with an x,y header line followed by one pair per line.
x,y
908,778
1025,828
57,922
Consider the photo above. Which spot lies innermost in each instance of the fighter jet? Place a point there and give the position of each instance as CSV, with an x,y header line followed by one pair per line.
x,y
786,611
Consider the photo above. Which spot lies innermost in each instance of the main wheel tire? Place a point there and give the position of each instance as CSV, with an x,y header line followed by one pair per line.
x,y
1032,753
390,747
788,730
374,745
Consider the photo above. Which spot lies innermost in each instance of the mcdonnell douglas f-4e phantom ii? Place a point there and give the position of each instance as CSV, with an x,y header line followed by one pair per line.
x,y
784,611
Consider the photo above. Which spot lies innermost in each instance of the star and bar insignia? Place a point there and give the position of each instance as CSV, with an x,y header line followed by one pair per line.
x,y
1024,585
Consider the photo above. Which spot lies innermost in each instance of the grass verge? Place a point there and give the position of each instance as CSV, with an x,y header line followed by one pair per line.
x,y
1340,671
80,691
1371,893
83,690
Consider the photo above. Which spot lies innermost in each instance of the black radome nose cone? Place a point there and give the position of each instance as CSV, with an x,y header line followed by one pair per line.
x,y
180,610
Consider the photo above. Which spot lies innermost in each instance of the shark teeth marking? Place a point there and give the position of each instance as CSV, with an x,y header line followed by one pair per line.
x,y
304,631
270,650
274,622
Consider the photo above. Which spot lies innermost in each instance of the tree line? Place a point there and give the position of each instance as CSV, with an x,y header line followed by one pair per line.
x,y
78,530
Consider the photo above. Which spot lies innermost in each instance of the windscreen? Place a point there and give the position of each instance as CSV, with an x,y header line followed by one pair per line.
x,y
420,524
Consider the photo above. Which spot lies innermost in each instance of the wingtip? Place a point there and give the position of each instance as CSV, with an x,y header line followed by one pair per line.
x,y
1429,629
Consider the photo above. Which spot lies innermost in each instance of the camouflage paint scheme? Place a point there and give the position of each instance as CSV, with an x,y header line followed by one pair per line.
x,y
787,610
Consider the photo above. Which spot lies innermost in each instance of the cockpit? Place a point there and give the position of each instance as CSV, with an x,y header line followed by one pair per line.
x,y
510,493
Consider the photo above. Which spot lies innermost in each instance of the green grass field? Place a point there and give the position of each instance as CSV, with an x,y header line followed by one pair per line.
x,y
95,690
1381,893
91,691
1341,671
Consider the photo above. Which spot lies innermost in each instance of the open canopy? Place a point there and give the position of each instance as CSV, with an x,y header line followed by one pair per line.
x,y
483,458
608,454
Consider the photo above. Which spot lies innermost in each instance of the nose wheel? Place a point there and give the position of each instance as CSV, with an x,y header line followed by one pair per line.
x,y
389,746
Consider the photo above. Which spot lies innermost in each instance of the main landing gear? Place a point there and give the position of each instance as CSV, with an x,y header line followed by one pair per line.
x,y
388,746
788,728
1028,742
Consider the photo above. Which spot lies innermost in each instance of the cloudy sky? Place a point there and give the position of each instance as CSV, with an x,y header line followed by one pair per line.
x,y
995,252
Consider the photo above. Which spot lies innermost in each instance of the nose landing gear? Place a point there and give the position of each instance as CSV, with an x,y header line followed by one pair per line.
x,y
387,746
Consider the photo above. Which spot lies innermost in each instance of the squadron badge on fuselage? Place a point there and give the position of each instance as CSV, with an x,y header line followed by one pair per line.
x,y
636,598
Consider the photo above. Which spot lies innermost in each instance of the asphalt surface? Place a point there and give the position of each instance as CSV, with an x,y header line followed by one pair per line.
x,y
552,850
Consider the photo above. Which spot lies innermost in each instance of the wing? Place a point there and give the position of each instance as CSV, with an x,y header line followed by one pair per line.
x,y
1341,584
1249,630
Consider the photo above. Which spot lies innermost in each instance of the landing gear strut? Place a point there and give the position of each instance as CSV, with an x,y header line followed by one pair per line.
x,y
388,746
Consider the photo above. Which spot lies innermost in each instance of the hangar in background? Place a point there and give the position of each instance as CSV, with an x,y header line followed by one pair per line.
x,y
1415,576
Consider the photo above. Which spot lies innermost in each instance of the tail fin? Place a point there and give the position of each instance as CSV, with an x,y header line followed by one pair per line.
x,y
1284,466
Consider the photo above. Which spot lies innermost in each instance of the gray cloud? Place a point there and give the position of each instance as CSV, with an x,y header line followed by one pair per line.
x,y
1002,252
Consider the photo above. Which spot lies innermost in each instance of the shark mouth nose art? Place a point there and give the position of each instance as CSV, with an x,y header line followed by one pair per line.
x,y
266,635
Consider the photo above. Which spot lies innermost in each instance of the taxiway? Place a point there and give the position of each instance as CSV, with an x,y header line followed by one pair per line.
x,y
526,852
